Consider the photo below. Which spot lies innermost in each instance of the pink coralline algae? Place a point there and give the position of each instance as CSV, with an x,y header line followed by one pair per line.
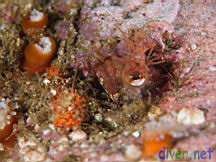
x,y
106,14
8,13
62,28
197,73
64,6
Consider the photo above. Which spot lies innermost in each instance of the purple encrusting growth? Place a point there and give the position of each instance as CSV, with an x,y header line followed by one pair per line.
x,y
86,150
62,29
64,6
88,29
127,15
8,13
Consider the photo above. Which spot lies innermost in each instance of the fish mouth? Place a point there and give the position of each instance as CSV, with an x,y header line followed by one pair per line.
x,y
137,82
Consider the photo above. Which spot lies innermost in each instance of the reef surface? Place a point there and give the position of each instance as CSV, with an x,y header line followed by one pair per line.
x,y
90,103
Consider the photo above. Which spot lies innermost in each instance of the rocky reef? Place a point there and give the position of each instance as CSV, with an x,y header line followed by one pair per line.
x,y
106,80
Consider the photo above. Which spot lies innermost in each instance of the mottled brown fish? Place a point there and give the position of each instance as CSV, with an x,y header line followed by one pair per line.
x,y
141,62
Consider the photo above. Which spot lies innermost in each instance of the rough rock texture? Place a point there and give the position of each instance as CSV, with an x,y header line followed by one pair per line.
x,y
196,21
197,79
111,132
125,14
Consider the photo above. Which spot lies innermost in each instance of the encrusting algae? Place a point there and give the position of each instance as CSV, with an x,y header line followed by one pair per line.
x,y
131,68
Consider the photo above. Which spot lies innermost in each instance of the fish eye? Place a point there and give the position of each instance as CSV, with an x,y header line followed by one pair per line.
x,y
136,79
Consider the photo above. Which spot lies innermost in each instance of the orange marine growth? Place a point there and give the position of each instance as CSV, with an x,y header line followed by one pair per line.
x,y
69,109
154,142
53,71
35,22
38,55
